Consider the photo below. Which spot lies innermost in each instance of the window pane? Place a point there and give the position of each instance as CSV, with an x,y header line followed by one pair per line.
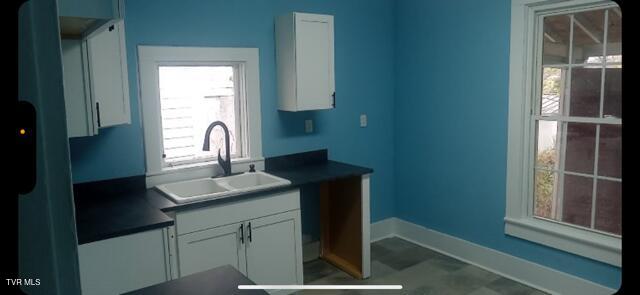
x,y
552,90
610,151
547,144
612,93
580,150
545,187
588,37
192,97
609,206
577,197
556,39
585,92
614,35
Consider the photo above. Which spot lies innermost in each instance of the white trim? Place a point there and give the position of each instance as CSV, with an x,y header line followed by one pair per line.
x,y
567,238
520,156
366,225
523,271
149,58
310,251
383,229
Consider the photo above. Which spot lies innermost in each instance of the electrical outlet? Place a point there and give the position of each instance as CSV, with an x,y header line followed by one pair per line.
x,y
308,126
363,120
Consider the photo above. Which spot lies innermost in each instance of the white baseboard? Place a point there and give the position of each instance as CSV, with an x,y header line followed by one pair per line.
x,y
310,251
383,229
523,271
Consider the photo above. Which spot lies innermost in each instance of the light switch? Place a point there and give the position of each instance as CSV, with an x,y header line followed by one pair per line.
x,y
308,126
363,120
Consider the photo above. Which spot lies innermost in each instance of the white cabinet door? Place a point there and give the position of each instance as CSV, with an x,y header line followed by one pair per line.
x,y
204,250
274,249
123,264
108,74
314,61
305,61
78,104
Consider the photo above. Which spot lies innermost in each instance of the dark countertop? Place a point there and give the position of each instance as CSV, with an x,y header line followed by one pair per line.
x,y
113,208
223,280
300,169
329,170
117,207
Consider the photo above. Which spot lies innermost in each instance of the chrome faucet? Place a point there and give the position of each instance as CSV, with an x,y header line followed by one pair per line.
x,y
226,164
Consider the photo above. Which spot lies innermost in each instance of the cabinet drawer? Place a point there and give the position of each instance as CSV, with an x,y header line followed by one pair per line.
x,y
237,211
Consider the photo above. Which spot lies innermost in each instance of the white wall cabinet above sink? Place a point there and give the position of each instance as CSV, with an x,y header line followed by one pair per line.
x,y
96,80
305,61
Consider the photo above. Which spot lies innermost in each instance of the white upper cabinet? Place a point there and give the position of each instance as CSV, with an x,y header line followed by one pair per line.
x,y
108,74
96,80
76,92
305,61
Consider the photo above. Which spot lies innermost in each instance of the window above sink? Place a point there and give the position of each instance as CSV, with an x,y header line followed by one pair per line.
x,y
182,91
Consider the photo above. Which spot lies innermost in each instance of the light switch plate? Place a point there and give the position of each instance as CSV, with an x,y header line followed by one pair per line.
x,y
308,126
363,120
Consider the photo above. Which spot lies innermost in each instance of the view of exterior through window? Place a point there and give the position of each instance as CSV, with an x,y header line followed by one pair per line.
x,y
578,120
192,97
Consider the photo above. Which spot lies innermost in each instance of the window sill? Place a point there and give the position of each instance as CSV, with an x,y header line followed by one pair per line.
x,y
200,170
581,242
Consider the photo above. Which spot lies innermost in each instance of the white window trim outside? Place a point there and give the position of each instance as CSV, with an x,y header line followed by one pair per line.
x,y
519,221
149,59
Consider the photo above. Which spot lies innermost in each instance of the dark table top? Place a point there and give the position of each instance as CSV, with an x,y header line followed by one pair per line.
x,y
223,280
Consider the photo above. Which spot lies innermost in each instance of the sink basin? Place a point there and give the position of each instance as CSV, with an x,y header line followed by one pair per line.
x,y
248,180
220,187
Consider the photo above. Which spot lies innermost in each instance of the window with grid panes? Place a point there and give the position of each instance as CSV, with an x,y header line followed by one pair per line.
x,y
578,120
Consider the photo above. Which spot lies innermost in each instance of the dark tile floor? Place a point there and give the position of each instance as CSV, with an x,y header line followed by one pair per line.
x,y
419,270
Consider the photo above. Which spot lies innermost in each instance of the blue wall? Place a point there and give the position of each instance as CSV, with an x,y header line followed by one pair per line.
x,y
364,84
451,105
437,99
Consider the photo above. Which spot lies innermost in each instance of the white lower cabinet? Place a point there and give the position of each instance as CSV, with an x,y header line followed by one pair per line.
x,y
273,249
123,264
210,248
260,237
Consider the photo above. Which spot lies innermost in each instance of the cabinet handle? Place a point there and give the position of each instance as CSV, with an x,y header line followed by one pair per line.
x,y
242,233
249,230
334,99
98,112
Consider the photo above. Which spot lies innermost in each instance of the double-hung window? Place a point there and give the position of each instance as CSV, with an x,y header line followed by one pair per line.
x,y
185,89
564,186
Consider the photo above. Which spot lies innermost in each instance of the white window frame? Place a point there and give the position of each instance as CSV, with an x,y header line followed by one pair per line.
x,y
149,59
519,221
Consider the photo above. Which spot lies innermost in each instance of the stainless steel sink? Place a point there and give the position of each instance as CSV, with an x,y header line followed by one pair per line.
x,y
221,187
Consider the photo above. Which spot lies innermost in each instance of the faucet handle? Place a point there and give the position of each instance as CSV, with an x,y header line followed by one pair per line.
x,y
252,168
